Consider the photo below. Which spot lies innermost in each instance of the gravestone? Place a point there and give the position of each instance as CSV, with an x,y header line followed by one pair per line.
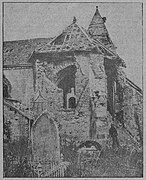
x,y
45,139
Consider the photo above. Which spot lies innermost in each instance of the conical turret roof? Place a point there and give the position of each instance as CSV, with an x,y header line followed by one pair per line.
x,y
97,29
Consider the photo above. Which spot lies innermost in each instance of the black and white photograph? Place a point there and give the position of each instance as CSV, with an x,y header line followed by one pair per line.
x,y
72,82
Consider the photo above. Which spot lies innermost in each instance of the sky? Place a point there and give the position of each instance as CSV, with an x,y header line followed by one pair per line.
x,y
43,20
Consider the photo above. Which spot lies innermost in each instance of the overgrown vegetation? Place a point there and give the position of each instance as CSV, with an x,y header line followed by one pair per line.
x,y
126,161
16,158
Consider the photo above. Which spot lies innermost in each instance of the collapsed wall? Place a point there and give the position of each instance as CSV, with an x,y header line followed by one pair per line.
x,y
84,80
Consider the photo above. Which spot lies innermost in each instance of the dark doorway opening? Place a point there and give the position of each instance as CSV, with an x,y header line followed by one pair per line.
x,y
66,81
72,102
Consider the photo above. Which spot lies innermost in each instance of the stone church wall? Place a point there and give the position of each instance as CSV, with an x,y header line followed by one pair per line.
x,y
18,124
90,89
49,91
80,124
82,83
98,92
22,84
132,112
75,123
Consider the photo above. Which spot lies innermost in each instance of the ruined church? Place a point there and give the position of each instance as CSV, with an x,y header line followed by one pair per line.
x,y
68,88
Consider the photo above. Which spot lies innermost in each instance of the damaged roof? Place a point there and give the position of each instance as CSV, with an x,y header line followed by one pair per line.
x,y
73,38
19,52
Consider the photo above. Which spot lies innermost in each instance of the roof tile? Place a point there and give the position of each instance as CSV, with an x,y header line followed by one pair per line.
x,y
18,52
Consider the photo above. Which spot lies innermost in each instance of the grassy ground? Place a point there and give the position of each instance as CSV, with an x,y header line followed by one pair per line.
x,y
120,163
126,161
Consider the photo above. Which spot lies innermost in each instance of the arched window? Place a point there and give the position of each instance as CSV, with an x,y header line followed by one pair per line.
x,y
72,102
